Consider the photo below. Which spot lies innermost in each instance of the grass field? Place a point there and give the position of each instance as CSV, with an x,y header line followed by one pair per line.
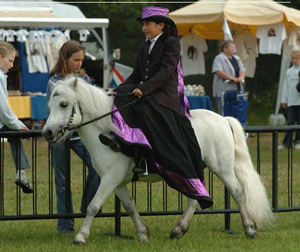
x,y
205,233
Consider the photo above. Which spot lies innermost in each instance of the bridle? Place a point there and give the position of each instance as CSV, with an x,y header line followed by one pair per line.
x,y
76,107
74,115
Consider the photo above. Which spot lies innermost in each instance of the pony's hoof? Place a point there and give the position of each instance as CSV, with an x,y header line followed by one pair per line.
x,y
177,233
78,241
251,235
143,238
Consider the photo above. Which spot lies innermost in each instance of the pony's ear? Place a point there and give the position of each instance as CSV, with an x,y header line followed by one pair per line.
x,y
75,84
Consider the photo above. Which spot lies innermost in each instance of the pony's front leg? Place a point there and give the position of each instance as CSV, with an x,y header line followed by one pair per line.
x,y
142,230
183,224
107,186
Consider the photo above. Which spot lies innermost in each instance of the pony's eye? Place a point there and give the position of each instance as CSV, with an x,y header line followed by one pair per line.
x,y
63,104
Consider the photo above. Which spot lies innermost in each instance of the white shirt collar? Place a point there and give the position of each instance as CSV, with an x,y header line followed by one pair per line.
x,y
155,39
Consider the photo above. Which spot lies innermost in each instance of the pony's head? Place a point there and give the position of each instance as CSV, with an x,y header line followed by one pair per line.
x,y
73,102
61,106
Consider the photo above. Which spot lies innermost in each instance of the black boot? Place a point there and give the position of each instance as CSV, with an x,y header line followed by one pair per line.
x,y
111,141
141,169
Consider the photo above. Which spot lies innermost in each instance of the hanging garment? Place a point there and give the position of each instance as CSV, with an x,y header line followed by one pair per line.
x,y
22,35
247,50
294,38
55,34
11,35
35,57
192,50
3,34
83,34
55,46
271,38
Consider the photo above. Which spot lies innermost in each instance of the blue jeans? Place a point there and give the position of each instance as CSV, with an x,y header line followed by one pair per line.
x,y
92,183
17,151
293,116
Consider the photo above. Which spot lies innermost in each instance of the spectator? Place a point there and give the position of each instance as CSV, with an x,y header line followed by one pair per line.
x,y
71,56
228,72
291,100
9,121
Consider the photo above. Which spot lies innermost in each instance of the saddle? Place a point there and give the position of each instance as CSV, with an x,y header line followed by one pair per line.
x,y
141,165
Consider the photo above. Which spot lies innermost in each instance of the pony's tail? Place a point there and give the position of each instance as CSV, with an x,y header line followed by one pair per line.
x,y
256,200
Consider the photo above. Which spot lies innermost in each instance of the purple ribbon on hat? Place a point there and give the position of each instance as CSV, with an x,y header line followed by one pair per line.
x,y
154,11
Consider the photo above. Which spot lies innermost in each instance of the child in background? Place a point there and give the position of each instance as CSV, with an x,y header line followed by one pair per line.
x,y
291,100
9,121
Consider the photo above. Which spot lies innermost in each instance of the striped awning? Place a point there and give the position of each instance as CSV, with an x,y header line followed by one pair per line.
x,y
26,12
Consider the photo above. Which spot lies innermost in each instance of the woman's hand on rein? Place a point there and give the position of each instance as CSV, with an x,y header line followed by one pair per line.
x,y
137,92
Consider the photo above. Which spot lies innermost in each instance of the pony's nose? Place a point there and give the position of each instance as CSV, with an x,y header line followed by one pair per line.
x,y
48,135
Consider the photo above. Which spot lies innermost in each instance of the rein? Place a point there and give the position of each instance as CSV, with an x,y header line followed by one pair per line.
x,y
102,116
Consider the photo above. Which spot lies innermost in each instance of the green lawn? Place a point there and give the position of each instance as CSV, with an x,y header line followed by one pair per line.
x,y
205,233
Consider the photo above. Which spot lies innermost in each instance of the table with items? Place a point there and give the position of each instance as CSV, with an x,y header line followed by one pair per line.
x,y
200,102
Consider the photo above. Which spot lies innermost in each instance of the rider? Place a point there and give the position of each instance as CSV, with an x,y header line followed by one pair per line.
x,y
160,114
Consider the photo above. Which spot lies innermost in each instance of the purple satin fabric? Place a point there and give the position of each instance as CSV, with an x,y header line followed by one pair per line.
x,y
182,98
125,132
192,186
154,11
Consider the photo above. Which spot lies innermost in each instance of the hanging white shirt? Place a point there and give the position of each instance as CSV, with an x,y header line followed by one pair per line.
x,y
271,38
33,36
3,34
22,35
55,34
83,34
55,47
192,49
247,50
67,34
294,38
11,35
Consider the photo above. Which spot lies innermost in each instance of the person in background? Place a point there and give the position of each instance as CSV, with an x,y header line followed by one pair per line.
x,y
291,100
71,56
9,121
228,71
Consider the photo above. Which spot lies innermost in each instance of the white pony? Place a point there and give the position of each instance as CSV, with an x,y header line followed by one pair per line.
x,y
222,141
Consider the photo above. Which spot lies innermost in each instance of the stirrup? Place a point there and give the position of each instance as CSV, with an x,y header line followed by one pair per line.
x,y
141,171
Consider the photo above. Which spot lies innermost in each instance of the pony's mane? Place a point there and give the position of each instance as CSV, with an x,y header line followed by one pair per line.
x,y
93,100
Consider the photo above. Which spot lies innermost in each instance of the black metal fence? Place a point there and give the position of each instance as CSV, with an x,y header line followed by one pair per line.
x,y
280,172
